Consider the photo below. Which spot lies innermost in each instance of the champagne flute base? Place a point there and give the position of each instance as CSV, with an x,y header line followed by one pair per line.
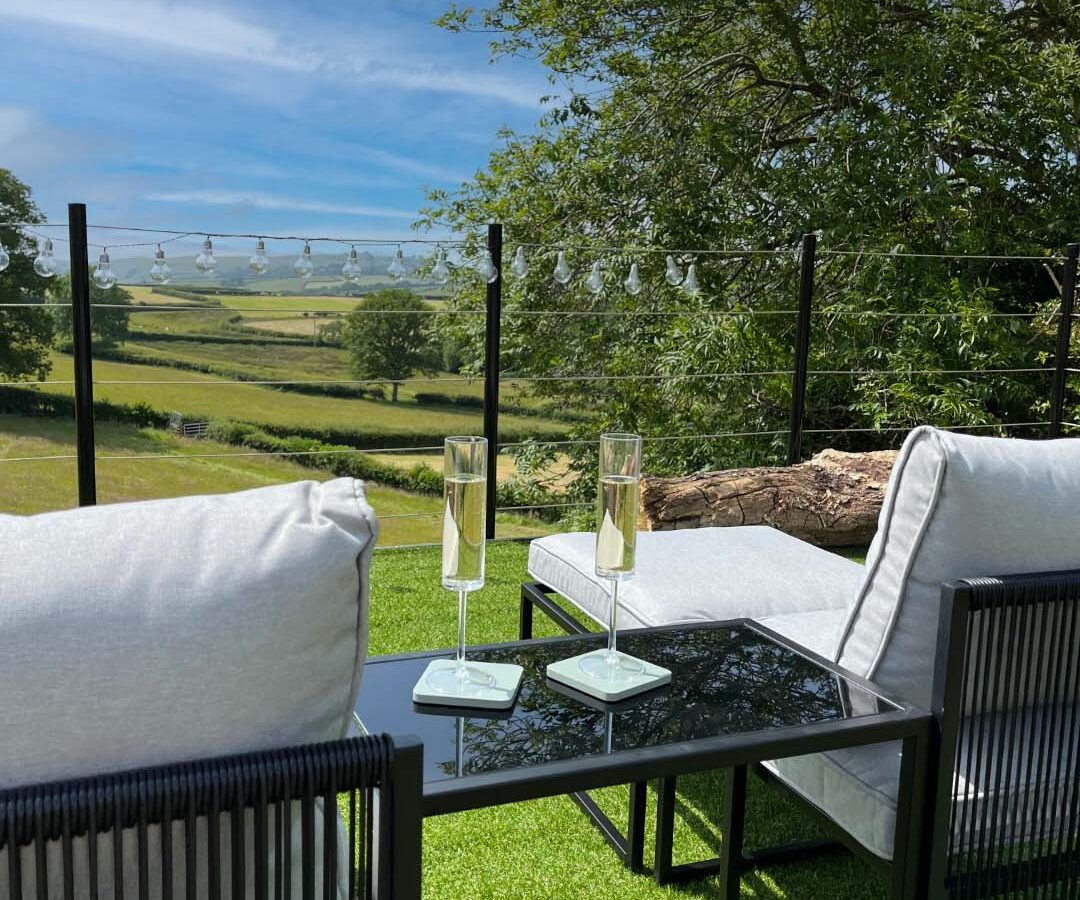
x,y
486,685
628,681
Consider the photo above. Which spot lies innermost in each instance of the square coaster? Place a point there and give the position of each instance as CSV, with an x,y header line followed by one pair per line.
x,y
568,671
500,695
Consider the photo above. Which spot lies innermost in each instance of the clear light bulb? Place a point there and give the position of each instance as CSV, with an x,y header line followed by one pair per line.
x,y
595,281
160,271
260,262
519,268
5,260
352,268
633,281
103,275
563,273
487,268
44,263
205,261
440,272
673,274
397,265
690,283
304,267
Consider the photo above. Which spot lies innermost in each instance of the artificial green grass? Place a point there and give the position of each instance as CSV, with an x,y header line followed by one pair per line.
x,y
546,849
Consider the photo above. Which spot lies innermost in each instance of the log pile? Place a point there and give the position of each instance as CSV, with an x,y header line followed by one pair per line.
x,y
832,501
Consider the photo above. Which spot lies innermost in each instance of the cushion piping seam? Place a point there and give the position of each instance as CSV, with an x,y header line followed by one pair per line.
x,y
897,473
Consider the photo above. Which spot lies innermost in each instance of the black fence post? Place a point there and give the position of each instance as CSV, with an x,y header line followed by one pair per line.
x,y
493,322
1064,337
807,258
83,358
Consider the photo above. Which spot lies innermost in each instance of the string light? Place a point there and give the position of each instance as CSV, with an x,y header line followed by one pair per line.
x,y
205,261
304,267
672,273
519,268
160,271
487,268
440,272
563,273
44,263
260,262
103,276
633,281
353,268
397,265
690,283
5,259
595,281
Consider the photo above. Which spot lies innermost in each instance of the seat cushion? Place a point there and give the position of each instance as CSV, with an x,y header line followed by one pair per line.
x,y
957,506
818,631
699,575
146,633
858,787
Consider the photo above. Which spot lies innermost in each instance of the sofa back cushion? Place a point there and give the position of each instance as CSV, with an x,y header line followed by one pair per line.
x,y
957,506
145,633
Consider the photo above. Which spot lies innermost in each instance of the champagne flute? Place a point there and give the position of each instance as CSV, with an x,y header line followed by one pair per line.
x,y
616,542
463,545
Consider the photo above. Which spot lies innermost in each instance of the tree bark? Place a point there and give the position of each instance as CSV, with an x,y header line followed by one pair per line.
x,y
832,501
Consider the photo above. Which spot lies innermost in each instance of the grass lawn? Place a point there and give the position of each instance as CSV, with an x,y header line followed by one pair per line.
x,y
42,485
546,849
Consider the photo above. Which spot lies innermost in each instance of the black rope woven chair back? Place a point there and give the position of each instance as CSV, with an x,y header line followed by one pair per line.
x,y
338,820
1005,818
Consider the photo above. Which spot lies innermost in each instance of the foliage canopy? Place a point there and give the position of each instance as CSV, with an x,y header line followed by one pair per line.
x,y
906,127
387,337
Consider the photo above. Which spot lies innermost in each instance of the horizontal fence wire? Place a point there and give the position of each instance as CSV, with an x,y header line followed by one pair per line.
x,y
529,379
510,312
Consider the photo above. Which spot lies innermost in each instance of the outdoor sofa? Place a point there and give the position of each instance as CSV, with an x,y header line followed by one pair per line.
x,y
942,614
179,684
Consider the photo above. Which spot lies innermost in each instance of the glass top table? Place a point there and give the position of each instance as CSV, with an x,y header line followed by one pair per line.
x,y
738,694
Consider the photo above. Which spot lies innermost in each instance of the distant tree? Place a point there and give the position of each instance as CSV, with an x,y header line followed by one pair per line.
x,y
108,326
387,337
25,334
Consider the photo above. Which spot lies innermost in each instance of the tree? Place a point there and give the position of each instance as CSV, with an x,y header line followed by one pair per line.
x,y
893,127
26,334
108,325
387,337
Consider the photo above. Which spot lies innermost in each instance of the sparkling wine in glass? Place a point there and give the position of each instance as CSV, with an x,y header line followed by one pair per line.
x,y
616,541
463,544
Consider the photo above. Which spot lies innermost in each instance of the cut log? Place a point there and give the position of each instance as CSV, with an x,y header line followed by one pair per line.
x,y
832,501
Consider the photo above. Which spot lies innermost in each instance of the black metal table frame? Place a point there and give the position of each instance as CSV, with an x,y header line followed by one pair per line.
x,y
908,725
912,727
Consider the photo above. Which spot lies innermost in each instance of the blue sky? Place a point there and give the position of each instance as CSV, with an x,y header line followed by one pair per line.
x,y
303,117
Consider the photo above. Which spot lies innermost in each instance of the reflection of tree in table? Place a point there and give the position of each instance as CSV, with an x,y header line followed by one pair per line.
x,y
724,681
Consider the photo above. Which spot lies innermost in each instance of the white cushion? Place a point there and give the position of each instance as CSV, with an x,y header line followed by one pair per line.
x,y
858,787
818,630
699,575
957,506
146,633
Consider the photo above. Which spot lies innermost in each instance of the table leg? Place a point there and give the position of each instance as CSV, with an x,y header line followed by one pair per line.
x,y
635,830
525,621
665,829
731,858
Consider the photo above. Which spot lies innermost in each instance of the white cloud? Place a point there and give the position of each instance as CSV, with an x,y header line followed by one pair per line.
x,y
257,200
209,31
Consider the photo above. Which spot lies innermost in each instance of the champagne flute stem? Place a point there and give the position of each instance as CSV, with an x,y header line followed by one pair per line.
x,y
462,604
612,634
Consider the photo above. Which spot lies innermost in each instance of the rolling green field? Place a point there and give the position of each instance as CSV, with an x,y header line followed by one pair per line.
x,y
128,469
200,396
200,360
